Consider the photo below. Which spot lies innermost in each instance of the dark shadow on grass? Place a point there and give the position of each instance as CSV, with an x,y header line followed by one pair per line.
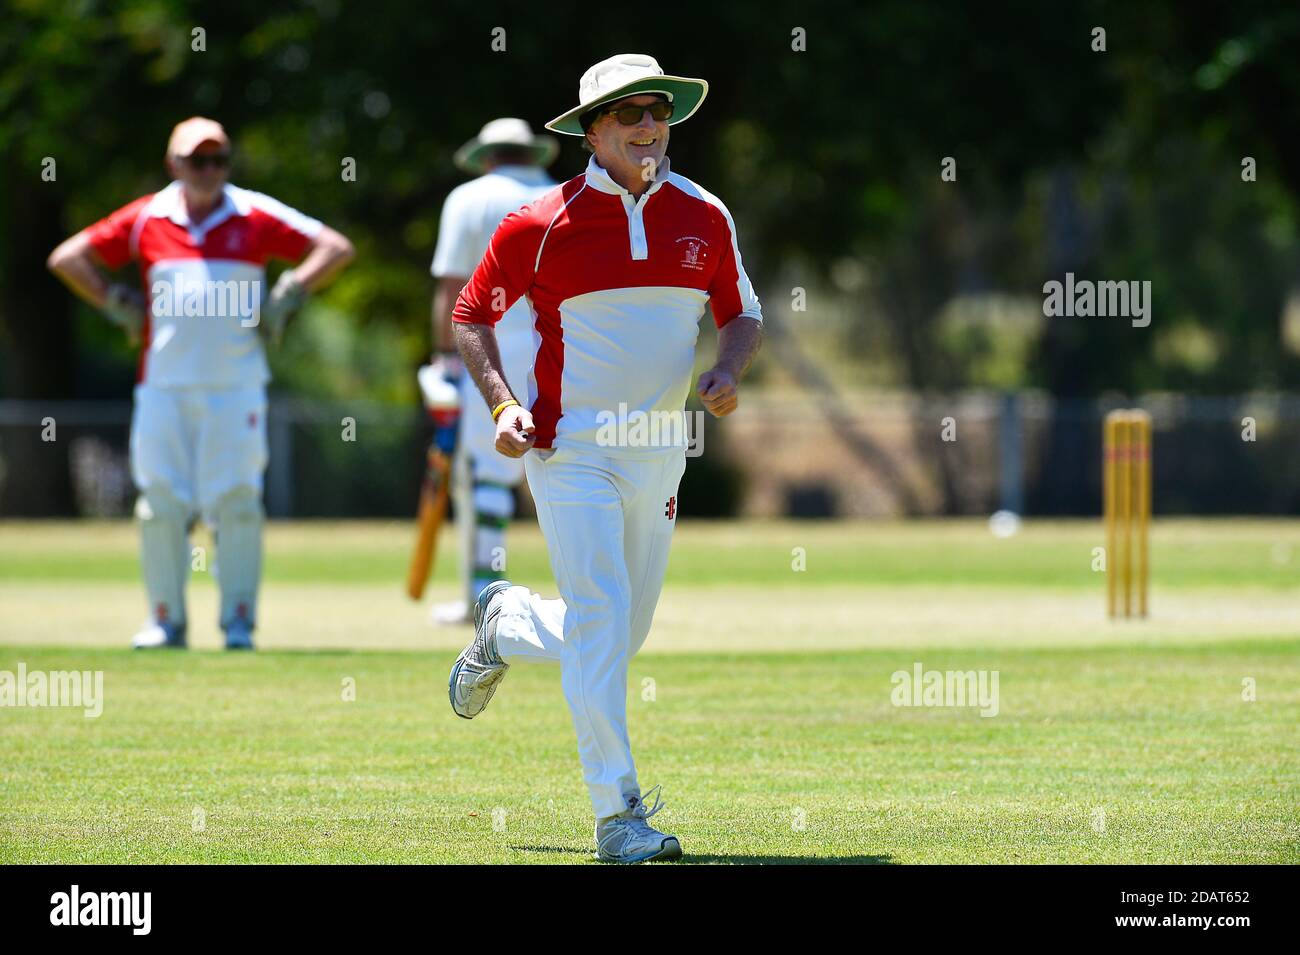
x,y
734,860
690,859
561,850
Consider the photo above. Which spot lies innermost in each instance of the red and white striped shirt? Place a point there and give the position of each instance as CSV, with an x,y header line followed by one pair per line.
x,y
617,287
202,280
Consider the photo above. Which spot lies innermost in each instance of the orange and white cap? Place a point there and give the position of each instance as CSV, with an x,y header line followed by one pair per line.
x,y
189,134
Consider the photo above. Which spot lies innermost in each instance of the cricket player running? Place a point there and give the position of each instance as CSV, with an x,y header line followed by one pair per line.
x,y
509,162
617,266
198,432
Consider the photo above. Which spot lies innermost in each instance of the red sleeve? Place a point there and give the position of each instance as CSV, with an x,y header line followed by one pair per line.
x,y
506,271
280,241
723,295
110,237
282,231
730,292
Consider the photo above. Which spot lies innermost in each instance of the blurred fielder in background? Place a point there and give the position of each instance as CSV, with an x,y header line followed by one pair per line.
x,y
198,432
618,266
509,161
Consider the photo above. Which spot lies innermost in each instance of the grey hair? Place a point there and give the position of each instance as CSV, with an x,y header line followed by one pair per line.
x,y
587,120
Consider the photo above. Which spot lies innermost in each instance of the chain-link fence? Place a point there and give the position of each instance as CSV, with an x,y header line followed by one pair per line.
x,y
783,454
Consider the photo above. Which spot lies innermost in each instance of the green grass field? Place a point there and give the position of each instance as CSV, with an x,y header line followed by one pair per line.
x,y
761,703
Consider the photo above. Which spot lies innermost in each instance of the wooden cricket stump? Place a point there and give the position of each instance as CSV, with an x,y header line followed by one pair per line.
x,y
1126,490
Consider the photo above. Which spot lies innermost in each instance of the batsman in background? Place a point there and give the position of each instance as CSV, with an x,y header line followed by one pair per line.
x,y
198,431
509,161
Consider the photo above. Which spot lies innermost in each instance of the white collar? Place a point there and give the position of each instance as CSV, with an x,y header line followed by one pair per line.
x,y
602,181
169,203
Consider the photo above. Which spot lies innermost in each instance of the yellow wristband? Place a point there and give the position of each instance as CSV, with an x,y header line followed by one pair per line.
x,y
496,412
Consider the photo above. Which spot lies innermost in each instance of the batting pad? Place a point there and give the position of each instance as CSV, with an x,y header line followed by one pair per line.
x,y
238,569
164,552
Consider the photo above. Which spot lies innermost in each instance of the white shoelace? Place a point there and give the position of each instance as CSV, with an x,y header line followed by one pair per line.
x,y
636,823
640,811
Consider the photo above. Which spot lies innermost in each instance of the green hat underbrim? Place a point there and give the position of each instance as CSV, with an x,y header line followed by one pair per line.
x,y
687,94
470,156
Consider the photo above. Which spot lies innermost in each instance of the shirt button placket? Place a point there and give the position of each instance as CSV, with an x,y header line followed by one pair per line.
x,y
636,227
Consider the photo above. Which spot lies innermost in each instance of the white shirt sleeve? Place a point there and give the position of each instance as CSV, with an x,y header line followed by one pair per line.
x,y
458,252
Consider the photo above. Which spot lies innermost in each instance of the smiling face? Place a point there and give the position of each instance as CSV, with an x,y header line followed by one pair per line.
x,y
625,151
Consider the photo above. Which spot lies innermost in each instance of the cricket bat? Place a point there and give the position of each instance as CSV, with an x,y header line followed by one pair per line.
x,y
433,507
442,400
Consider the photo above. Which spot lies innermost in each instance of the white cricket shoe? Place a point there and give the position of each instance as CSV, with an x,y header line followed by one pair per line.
x,y
628,837
159,636
479,669
450,614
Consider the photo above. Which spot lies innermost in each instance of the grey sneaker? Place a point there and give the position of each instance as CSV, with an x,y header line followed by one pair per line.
x,y
479,669
627,837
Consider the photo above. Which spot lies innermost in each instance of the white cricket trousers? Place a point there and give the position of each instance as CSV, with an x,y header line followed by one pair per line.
x,y
608,522
200,443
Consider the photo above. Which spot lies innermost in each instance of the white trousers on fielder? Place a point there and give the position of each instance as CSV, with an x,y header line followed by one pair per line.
x,y
200,443
200,451
608,522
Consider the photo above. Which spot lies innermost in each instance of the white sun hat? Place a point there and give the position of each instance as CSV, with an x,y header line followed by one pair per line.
x,y
505,132
626,74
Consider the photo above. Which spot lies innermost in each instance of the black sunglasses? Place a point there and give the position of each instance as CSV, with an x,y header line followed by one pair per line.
x,y
631,115
216,160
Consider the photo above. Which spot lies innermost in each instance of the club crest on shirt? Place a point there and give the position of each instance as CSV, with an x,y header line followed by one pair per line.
x,y
694,252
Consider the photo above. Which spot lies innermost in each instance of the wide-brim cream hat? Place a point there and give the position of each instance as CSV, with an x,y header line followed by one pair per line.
x,y
627,74
508,132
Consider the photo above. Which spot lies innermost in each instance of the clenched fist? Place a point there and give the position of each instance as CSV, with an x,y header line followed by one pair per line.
x,y
515,432
717,389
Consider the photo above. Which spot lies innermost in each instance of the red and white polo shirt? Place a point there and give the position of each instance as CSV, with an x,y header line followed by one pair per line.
x,y
617,287
204,281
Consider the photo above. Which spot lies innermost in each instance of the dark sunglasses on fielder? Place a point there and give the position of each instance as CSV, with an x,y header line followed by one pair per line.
x,y
631,115
216,160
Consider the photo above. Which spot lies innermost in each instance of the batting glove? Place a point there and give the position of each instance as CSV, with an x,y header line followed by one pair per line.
x,y
438,392
449,365
282,304
124,307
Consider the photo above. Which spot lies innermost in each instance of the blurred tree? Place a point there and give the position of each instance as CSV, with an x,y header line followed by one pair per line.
x,y
1122,164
